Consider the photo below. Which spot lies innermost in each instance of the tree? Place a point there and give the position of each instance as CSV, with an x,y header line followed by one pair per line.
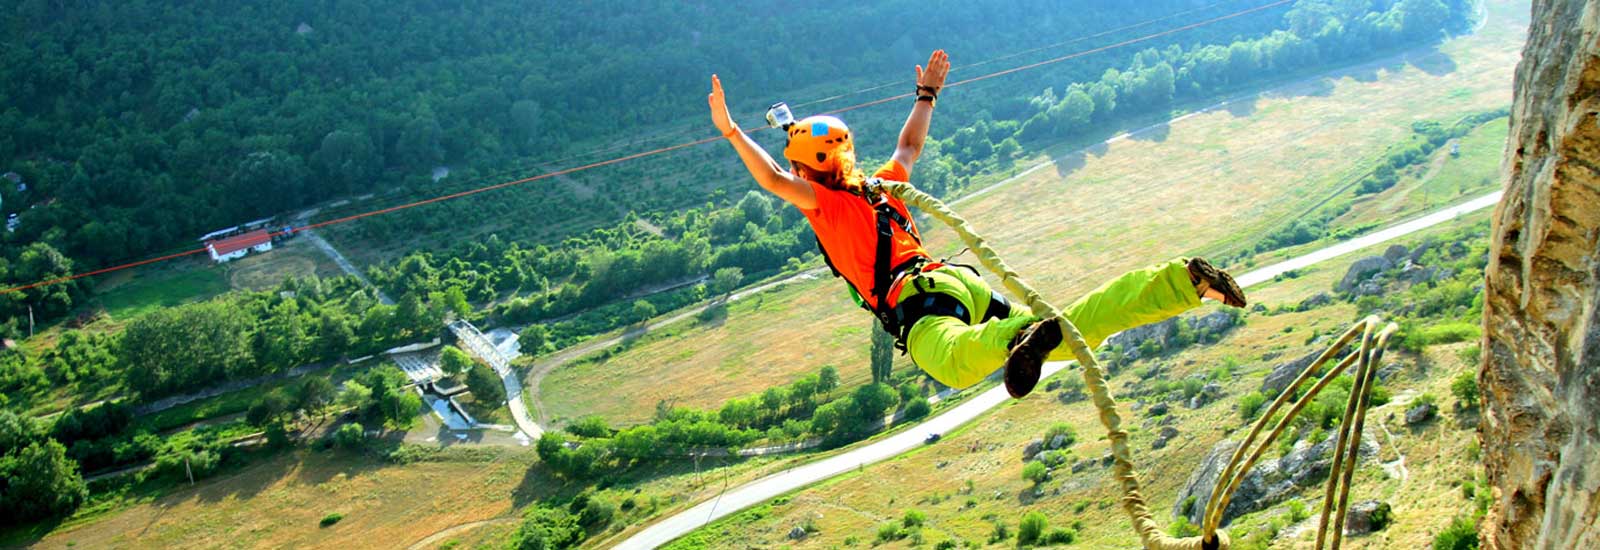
x,y
873,402
454,362
643,310
882,354
827,379
350,436
534,338
725,280
186,346
16,431
355,395
269,408
348,161
39,481
485,386
1465,388
315,394
399,407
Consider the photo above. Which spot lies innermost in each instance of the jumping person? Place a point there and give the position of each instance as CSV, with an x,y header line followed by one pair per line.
x,y
955,328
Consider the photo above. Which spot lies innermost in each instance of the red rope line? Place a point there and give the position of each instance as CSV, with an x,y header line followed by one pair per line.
x,y
651,152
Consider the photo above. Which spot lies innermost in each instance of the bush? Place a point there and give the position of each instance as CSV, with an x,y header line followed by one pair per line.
x,y
1182,528
1031,530
1250,405
1417,338
1465,388
590,426
331,519
350,436
1462,534
914,518
1001,532
1035,472
917,408
1297,511
1061,536
890,532
1060,428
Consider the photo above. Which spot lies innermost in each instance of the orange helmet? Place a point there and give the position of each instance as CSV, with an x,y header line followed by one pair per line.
x,y
816,142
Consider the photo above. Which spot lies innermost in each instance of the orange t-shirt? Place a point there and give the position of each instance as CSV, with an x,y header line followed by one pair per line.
x,y
847,228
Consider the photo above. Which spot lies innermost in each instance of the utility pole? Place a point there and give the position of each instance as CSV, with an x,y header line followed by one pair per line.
x,y
186,470
30,320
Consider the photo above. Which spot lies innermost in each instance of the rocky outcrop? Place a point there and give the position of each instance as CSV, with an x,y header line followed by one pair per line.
x,y
1285,373
1541,366
1360,270
1269,481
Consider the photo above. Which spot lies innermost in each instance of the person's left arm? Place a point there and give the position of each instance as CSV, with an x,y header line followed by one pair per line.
x,y
915,132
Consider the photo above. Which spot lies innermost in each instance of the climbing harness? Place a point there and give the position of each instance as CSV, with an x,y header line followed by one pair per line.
x,y
884,275
1150,534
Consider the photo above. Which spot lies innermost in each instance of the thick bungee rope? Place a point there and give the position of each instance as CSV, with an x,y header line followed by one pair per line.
x,y
1150,533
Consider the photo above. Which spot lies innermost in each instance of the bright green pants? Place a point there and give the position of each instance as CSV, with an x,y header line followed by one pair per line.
x,y
960,355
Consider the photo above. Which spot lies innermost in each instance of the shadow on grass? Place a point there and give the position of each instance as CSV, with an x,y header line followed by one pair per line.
x,y
1152,134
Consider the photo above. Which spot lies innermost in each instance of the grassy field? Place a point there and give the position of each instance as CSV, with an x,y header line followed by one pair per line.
x,y
125,296
1210,184
972,477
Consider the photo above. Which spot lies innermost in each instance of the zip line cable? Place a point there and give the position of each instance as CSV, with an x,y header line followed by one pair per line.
x,y
652,152
695,126
1016,54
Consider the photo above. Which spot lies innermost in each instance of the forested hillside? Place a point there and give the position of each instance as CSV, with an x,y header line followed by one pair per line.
x,y
138,126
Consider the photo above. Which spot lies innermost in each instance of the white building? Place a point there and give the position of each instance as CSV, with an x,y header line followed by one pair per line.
x,y
237,246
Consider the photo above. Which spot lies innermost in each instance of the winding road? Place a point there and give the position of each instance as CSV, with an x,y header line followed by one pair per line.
x,y
769,487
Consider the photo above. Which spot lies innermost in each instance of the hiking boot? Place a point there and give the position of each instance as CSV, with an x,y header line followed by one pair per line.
x,y
1028,352
1207,277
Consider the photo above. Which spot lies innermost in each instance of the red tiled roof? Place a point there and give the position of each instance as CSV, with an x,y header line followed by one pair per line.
x,y
236,243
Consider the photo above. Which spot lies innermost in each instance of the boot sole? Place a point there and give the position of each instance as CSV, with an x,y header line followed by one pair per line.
x,y
1219,280
1026,361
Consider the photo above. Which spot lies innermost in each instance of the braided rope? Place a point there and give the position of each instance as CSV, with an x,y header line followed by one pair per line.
x,y
1133,502
1150,533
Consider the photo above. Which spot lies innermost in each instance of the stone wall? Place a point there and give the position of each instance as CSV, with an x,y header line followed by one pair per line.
x,y
1541,368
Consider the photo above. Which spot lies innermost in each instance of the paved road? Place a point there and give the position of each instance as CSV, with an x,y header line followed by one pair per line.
x,y
769,487
333,253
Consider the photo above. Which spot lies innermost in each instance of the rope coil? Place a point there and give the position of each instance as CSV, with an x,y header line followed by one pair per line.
x,y
1133,502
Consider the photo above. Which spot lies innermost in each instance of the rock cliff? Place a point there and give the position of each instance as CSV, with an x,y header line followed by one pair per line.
x,y
1541,366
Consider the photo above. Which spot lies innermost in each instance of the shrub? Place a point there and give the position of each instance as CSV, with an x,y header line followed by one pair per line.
x,y
1462,534
590,426
1182,528
1250,405
1063,429
1465,388
350,436
1061,536
1035,472
331,519
890,532
913,518
1001,532
1297,511
917,408
1031,530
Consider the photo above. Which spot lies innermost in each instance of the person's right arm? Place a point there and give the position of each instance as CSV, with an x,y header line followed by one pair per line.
x,y
766,171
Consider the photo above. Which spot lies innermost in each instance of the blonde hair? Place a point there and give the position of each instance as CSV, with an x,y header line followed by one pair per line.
x,y
846,176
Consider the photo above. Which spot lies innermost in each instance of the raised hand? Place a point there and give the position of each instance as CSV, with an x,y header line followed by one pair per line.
x,y
719,108
933,77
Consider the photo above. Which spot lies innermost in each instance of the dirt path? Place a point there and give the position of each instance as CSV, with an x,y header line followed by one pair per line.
x,y
447,532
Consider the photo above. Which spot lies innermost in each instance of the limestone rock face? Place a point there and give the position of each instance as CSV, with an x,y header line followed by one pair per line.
x,y
1541,367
